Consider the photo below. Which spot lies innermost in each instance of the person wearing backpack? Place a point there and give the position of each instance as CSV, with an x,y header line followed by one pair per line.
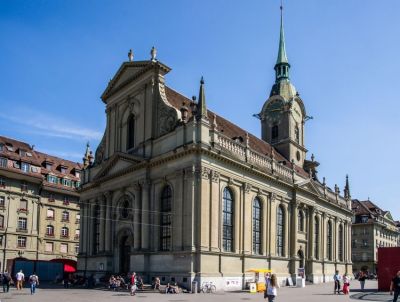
x,y
34,281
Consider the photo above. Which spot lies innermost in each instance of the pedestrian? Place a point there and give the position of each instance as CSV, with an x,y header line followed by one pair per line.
x,y
66,281
34,281
395,287
362,277
337,278
346,284
20,279
272,288
133,284
6,282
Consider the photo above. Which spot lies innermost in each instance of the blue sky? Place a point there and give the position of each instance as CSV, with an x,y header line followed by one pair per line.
x,y
57,57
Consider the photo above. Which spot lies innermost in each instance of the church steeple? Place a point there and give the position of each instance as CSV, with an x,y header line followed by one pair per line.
x,y
201,107
282,65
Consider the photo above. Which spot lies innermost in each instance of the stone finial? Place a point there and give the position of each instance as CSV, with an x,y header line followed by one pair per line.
x,y
86,157
130,55
312,157
153,53
323,181
214,123
247,139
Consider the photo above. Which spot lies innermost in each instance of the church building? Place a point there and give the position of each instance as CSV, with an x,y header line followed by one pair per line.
x,y
178,192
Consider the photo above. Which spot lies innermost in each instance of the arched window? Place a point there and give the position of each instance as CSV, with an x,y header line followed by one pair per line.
x,y
257,226
316,238
340,243
300,221
96,229
166,223
297,134
64,232
274,132
329,241
125,208
227,213
50,230
280,232
131,132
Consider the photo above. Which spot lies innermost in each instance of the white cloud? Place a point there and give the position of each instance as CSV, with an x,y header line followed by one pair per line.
x,y
49,126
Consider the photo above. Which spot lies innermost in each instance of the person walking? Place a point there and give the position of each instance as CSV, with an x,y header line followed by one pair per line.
x,y
34,281
395,287
272,288
133,284
346,284
337,278
6,282
20,279
362,277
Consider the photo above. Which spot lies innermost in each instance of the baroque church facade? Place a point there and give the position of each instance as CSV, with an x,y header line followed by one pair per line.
x,y
178,192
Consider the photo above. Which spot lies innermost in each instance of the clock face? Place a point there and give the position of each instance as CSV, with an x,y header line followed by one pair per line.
x,y
274,112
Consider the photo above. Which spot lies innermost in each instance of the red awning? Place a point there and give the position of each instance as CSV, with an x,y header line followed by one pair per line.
x,y
69,269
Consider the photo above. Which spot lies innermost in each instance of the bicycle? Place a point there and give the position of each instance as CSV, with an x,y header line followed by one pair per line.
x,y
208,287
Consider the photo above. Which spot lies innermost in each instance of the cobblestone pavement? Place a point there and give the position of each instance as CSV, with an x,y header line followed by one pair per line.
x,y
317,293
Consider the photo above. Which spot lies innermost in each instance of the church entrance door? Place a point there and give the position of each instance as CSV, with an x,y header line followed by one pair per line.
x,y
124,255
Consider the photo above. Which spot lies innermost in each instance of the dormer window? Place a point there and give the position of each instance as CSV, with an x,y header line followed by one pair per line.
x,y
63,170
364,218
48,166
22,153
77,174
52,179
1,147
9,147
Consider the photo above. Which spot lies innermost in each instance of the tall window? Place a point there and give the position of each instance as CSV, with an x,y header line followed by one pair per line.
x,y
280,232
227,213
257,226
166,223
64,232
23,205
2,201
3,162
316,238
131,132
300,218
50,214
329,241
297,134
65,216
50,230
25,167
274,132
340,243
96,229
1,221
21,242
22,223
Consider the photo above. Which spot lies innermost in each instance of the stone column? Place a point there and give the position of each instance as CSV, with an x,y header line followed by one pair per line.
x,y
137,217
293,235
108,224
265,229
203,231
215,228
177,211
272,225
323,236
82,228
188,210
145,196
102,204
247,219
335,240
311,232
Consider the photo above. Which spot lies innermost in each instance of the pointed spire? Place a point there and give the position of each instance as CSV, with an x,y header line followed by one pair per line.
x,y
282,64
86,158
201,106
347,194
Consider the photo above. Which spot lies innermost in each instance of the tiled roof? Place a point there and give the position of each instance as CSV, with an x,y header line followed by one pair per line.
x,y
11,150
229,129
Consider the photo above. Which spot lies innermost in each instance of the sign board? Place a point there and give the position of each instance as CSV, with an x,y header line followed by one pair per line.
x,y
253,288
289,281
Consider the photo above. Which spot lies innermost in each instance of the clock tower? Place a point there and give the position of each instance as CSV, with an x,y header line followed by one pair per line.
x,y
283,114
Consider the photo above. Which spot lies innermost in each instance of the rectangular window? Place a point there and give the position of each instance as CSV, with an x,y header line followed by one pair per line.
x,y
24,187
76,248
77,233
25,167
52,179
64,248
3,162
63,170
66,200
50,214
22,223
21,242
49,246
1,147
78,218
23,205
51,198
22,153
1,240
2,201
48,166
1,221
2,182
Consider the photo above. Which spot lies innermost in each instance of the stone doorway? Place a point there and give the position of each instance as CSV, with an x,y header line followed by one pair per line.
x,y
124,255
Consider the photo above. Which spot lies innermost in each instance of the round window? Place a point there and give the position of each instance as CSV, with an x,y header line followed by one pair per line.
x,y
298,155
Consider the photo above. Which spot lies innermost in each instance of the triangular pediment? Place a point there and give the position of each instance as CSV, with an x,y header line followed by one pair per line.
x,y
119,162
128,72
310,186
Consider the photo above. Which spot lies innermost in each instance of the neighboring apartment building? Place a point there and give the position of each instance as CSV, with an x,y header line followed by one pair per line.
x,y
372,228
39,210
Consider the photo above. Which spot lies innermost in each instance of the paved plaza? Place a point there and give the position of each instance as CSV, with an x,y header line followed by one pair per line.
x,y
317,293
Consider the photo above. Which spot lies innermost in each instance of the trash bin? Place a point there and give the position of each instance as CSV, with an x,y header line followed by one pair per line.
x,y
194,287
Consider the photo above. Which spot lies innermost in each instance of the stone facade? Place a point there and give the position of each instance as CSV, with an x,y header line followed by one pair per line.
x,y
39,210
372,228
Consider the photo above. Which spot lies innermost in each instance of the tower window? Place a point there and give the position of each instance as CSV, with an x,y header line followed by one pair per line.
x,y
274,132
297,134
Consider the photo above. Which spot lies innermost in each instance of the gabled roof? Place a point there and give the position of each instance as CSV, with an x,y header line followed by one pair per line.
x,y
229,129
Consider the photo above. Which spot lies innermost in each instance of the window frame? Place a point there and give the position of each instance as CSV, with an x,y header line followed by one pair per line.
x,y
280,231
21,241
316,237
228,220
49,230
166,219
130,127
257,226
329,242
